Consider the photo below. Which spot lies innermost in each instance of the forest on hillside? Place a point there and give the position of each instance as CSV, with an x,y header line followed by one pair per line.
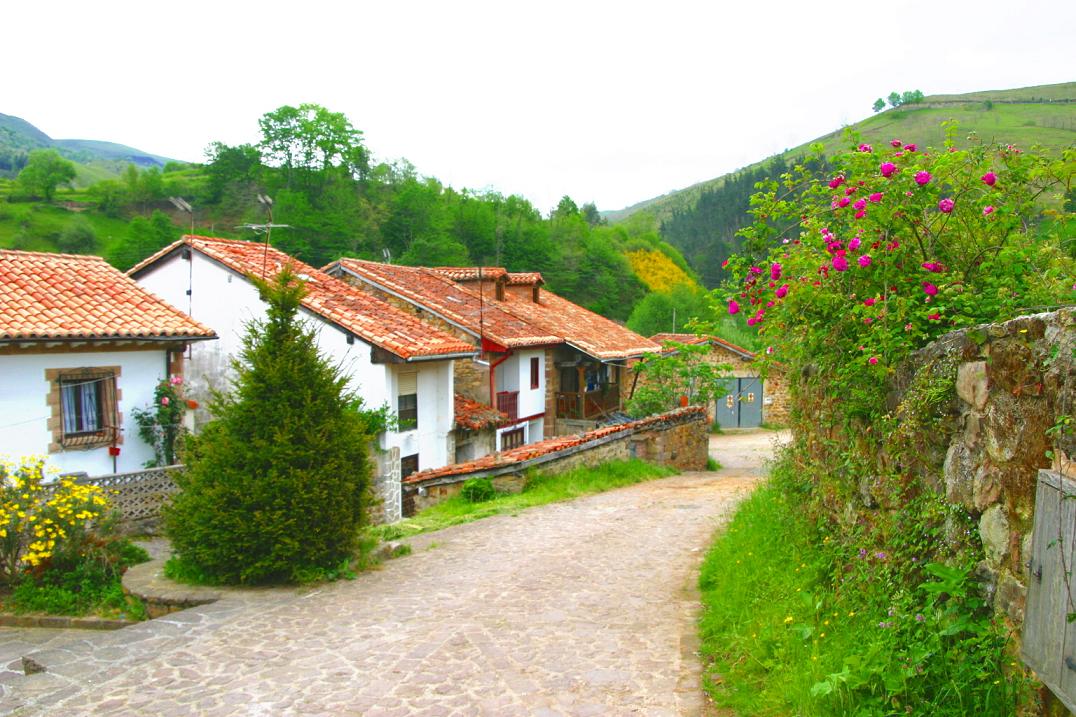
x,y
334,201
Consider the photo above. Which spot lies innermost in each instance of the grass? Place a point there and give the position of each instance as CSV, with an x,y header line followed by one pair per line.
x,y
538,490
781,636
712,464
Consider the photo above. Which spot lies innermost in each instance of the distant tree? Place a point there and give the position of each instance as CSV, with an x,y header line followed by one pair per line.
x,y
78,237
436,250
592,215
276,486
671,311
565,208
912,97
894,99
682,371
309,138
110,196
44,171
879,105
229,166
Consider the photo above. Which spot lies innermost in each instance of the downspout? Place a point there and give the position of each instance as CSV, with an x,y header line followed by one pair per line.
x,y
492,378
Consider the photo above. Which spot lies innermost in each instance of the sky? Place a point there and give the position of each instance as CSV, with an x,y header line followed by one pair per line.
x,y
607,102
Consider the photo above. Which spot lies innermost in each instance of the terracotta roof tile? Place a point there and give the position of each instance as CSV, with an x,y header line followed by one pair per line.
x,y
66,296
369,318
461,305
695,339
550,445
470,273
474,416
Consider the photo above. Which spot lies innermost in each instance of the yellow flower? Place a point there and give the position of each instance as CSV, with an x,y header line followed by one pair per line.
x,y
788,619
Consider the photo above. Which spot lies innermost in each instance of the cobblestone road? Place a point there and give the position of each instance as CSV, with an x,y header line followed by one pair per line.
x,y
581,608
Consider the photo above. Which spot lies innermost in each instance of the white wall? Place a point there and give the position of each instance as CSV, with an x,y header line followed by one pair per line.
x,y
24,411
225,302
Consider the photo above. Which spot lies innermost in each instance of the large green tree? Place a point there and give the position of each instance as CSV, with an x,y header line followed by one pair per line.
x,y
276,485
44,171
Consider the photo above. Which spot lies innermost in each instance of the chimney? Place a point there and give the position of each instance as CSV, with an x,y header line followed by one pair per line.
x,y
501,281
534,293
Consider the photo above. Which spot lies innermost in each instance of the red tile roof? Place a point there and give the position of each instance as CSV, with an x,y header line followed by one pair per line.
x,y
372,320
65,296
474,416
433,290
470,273
515,321
531,451
695,339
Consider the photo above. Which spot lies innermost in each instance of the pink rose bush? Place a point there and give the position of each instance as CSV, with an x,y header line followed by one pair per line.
x,y
856,272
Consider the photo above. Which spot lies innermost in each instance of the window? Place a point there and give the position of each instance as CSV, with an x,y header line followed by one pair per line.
x,y
407,401
512,439
536,380
408,465
84,408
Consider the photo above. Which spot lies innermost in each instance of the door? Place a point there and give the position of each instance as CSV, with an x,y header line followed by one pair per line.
x,y
739,404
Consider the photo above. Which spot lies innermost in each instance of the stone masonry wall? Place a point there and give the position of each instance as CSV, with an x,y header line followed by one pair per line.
x,y
682,443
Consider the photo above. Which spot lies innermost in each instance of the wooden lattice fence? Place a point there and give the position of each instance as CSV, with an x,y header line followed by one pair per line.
x,y
138,496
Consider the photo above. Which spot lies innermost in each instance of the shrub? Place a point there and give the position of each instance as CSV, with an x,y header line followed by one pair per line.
x,y
478,490
161,425
276,485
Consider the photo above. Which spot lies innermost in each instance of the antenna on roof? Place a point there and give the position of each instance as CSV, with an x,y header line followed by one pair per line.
x,y
181,204
268,227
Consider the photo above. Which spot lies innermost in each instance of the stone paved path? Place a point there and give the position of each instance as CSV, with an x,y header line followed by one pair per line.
x,y
581,608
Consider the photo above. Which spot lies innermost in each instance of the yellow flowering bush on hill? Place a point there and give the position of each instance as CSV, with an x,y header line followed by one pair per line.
x,y
37,519
657,271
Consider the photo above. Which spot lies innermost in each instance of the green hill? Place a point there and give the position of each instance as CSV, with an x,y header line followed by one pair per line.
x,y
1044,115
94,160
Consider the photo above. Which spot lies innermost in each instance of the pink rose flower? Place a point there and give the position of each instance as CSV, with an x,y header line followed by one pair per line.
x,y
734,308
876,197
990,179
840,263
864,261
988,210
782,291
849,191
860,203
775,271
861,213
934,316
752,321
922,178
165,400
843,202
873,360
895,142
865,148
946,205
910,147
869,302
887,169
933,266
176,380
836,182
929,289
854,243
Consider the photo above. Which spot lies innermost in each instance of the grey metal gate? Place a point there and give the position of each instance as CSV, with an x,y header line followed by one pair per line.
x,y
739,405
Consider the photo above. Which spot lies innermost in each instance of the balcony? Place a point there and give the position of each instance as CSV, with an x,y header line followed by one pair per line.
x,y
590,404
508,402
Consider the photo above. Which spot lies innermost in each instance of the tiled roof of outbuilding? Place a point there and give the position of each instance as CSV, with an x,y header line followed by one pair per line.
x,y
474,416
68,296
695,339
372,320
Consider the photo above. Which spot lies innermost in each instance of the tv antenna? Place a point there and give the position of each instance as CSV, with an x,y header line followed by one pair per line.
x,y
182,205
266,228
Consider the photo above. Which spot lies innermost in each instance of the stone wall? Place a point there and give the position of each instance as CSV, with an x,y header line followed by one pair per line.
x,y
679,439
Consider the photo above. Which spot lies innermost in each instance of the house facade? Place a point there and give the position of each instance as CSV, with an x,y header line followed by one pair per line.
x,y
81,347
389,357
551,366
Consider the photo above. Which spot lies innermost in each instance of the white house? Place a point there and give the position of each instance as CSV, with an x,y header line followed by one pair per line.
x,y
81,345
389,357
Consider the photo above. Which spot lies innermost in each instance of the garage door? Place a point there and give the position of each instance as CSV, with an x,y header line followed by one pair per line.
x,y
739,403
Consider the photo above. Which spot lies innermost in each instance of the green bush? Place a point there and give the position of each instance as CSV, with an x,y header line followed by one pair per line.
x,y
478,490
276,485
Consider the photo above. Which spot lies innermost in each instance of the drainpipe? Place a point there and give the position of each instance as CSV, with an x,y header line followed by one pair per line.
x,y
493,376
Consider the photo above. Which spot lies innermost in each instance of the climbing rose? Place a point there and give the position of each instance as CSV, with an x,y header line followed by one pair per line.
x,y
860,203
734,308
836,182
854,243
843,202
755,270
922,178
910,147
933,317
840,263
894,142
929,289
865,148
782,291
861,213
990,179
933,266
946,205
872,360
775,271
176,380
752,321
876,197
870,301
988,210
887,169
165,400
865,261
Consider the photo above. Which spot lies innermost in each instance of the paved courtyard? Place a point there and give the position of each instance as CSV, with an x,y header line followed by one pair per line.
x,y
580,608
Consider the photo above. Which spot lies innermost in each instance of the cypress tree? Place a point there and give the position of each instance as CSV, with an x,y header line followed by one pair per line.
x,y
276,484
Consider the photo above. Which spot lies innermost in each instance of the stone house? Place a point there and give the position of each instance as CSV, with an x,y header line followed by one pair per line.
x,y
551,366
748,399
390,357
81,346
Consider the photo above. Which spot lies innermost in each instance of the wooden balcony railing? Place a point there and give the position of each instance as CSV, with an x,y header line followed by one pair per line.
x,y
508,401
590,404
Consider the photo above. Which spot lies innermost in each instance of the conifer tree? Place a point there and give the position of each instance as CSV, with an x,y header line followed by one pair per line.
x,y
276,485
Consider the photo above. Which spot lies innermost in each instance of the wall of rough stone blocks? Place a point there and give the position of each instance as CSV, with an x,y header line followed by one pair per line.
x,y
683,444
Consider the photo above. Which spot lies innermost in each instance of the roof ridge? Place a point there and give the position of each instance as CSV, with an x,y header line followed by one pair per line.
x,y
53,255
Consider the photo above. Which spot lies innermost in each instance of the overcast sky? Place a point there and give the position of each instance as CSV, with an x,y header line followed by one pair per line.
x,y
611,102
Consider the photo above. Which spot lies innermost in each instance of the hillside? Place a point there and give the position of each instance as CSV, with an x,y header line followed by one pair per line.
x,y
1043,115
94,160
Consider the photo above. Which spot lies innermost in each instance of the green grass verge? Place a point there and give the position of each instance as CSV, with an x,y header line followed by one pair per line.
x,y
538,490
794,623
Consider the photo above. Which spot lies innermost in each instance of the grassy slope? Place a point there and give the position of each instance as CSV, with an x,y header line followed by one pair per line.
x,y
1051,125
